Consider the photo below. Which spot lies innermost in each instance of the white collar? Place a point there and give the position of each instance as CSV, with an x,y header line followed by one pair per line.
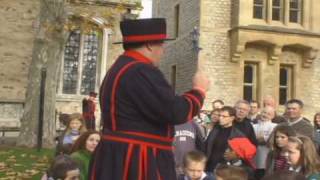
x,y
297,170
295,122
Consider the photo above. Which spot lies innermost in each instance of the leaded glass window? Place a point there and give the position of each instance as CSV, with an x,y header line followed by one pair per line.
x,y
89,64
285,86
258,9
80,63
295,11
250,82
276,10
71,63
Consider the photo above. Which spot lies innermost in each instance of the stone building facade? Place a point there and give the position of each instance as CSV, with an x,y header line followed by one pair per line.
x,y
250,48
92,53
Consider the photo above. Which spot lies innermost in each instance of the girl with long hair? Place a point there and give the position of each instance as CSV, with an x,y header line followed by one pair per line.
x,y
83,149
277,157
303,157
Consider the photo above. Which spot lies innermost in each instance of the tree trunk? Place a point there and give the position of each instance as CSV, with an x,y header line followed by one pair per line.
x,y
47,51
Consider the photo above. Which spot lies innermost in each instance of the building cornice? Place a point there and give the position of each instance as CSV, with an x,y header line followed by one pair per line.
x,y
134,6
275,38
275,29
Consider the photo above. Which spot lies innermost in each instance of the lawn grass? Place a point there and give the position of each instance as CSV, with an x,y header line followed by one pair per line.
x,y
23,163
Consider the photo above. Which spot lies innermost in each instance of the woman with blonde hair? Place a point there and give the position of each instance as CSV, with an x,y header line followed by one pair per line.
x,y
303,157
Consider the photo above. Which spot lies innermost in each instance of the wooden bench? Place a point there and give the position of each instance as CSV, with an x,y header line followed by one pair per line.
x,y
5,129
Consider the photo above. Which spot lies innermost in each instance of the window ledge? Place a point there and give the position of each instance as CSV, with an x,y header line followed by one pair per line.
x,y
276,29
69,97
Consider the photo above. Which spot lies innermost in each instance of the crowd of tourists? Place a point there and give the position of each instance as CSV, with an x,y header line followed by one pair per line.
x,y
258,140
239,142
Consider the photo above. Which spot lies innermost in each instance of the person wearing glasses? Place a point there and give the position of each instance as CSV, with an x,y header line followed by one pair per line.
x,y
242,122
228,145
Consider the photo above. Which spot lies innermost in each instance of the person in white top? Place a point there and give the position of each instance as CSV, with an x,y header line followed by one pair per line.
x,y
263,129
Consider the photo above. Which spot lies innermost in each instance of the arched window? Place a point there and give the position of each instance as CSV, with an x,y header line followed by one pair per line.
x,y
80,63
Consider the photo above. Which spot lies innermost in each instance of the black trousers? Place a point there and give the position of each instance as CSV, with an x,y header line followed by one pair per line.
x,y
259,173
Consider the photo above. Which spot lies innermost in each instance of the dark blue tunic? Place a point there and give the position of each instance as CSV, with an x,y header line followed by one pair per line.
x,y
139,110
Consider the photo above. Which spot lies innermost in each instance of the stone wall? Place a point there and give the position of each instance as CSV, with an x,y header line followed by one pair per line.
x,y
18,19
179,52
16,42
229,37
214,26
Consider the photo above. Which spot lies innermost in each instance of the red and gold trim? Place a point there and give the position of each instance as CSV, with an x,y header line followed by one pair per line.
x,y
143,38
128,158
143,141
193,98
137,56
149,136
113,93
137,142
190,114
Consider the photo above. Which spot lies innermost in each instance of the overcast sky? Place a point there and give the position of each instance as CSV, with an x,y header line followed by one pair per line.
x,y
147,9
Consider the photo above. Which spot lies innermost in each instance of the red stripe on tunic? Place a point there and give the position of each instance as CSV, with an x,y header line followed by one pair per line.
x,y
154,150
151,136
102,94
138,142
113,93
103,86
189,118
145,163
194,98
137,56
140,170
127,162
140,38
201,92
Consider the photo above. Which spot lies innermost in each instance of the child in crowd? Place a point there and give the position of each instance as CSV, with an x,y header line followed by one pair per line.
x,y
277,157
227,172
62,168
194,164
303,157
83,149
74,129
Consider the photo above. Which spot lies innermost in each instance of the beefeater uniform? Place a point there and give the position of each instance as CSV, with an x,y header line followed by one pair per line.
x,y
139,110
88,109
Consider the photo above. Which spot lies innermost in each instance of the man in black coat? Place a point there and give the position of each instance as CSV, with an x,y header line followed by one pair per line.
x,y
242,122
139,109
